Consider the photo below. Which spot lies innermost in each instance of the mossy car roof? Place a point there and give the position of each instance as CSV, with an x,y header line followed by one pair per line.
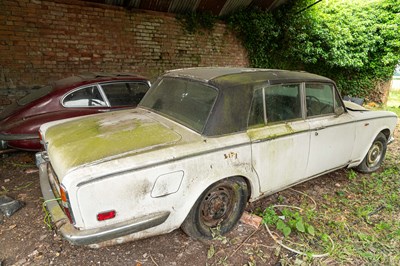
x,y
233,76
236,86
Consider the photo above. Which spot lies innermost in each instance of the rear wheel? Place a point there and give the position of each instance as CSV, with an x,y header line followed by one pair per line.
x,y
375,155
220,206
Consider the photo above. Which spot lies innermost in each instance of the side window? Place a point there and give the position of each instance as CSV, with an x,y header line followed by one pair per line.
x,y
85,97
256,116
283,102
320,99
125,93
338,102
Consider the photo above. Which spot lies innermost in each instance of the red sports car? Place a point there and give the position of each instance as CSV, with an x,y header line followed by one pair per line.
x,y
70,97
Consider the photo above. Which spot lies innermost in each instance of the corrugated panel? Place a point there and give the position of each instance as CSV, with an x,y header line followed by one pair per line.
x,y
216,7
183,6
114,2
213,6
268,4
124,3
233,5
132,3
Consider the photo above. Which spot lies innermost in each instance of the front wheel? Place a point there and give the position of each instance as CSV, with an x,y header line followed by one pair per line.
x,y
375,155
220,206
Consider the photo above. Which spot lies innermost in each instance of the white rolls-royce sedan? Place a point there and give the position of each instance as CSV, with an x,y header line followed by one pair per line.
x,y
201,144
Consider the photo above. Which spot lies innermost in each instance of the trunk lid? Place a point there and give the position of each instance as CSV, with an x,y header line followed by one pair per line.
x,y
94,138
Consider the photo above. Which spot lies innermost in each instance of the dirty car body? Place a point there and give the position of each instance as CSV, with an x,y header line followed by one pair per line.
x,y
201,144
80,95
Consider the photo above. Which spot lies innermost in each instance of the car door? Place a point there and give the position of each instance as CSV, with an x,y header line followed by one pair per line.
x,y
332,131
279,136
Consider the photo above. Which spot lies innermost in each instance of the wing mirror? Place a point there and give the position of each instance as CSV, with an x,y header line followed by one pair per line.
x,y
339,110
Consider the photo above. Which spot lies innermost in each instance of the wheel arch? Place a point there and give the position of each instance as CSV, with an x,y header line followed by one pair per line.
x,y
248,181
198,193
385,132
196,228
367,165
249,185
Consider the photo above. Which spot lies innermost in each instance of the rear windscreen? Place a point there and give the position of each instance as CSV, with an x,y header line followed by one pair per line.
x,y
34,95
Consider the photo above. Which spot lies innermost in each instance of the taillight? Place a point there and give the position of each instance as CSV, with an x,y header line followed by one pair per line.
x,y
41,140
65,204
40,137
106,215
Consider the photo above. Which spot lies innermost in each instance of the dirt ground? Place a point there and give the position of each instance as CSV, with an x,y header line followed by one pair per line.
x,y
25,239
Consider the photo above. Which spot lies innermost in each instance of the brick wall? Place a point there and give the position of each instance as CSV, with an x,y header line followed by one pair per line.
x,y
42,41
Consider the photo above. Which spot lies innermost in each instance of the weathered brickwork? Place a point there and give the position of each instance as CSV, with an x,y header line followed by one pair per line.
x,y
41,41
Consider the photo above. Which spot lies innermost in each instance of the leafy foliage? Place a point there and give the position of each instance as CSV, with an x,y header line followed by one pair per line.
x,y
287,222
356,43
197,21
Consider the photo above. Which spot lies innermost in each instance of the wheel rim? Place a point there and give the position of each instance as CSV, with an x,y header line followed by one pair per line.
x,y
374,154
217,205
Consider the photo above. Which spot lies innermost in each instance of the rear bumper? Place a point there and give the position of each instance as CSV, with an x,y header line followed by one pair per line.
x,y
18,136
15,138
92,236
390,140
3,144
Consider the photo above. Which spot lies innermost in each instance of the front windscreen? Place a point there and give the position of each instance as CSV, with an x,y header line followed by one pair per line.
x,y
34,95
184,101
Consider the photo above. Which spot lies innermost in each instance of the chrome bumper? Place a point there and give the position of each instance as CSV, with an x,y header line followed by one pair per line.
x,y
18,136
92,236
3,144
41,158
390,140
12,137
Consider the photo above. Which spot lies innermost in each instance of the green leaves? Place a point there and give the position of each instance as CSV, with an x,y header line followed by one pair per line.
x,y
310,230
288,222
281,226
356,43
194,22
210,252
300,226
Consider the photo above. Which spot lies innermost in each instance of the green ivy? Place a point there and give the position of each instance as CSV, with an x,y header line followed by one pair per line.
x,y
194,22
356,43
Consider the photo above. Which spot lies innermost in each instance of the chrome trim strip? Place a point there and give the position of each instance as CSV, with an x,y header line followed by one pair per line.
x,y
299,182
350,122
18,136
268,138
390,140
92,236
138,168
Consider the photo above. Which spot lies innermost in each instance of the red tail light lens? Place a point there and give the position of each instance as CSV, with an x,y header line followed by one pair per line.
x,y
106,215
